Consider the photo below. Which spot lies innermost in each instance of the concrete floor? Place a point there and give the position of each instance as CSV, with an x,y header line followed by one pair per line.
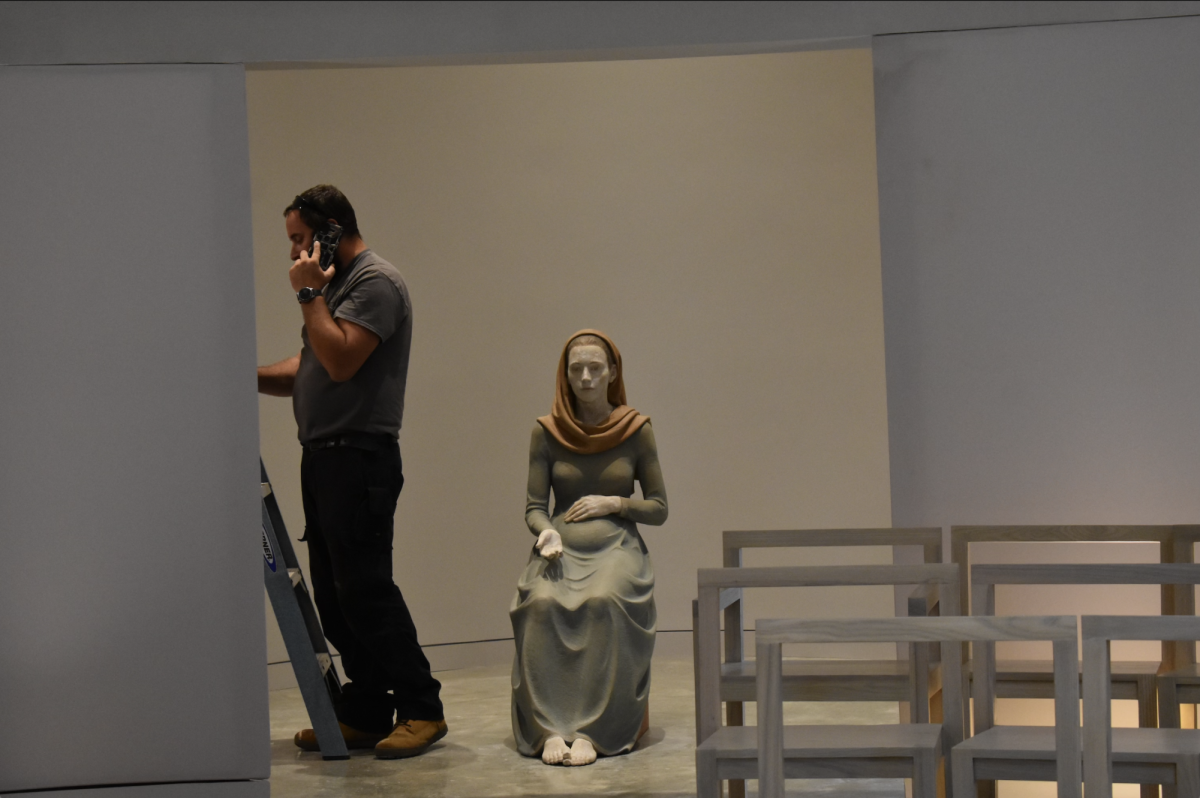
x,y
478,758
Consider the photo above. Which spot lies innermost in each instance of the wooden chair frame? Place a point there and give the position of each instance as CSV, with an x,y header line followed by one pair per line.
x,y
734,543
737,688
950,633
1179,681
1170,757
926,742
984,578
720,587
1176,545
999,752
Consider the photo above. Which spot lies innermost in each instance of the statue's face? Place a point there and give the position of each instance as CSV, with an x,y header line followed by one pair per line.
x,y
589,373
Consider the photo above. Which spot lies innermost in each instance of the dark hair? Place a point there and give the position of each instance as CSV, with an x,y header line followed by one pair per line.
x,y
321,203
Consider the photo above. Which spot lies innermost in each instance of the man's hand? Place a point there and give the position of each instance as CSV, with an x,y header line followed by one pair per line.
x,y
306,271
593,507
549,544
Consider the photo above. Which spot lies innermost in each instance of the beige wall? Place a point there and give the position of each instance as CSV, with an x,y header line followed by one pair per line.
x,y
716,216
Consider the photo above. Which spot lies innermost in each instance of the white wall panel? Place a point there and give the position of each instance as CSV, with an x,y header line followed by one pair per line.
x,y
1039,198
130,577
1039,195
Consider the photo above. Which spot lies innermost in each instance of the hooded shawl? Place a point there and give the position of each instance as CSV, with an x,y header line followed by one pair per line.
x,y
621,425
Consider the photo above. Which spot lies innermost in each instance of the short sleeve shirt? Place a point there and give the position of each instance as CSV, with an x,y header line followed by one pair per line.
x,y
370,293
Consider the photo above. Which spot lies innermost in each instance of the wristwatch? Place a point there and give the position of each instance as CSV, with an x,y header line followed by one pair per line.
x,y
306,294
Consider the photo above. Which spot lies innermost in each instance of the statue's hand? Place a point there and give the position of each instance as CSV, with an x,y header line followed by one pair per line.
x,y
549,544
593,507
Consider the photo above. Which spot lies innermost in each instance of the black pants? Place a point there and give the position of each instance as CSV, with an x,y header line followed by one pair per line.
x,y
349,503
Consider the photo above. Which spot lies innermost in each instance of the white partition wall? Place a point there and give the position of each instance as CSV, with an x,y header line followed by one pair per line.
x,y
1039,208
131,615
1040,225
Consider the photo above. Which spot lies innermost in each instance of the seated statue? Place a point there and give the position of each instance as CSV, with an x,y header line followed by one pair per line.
x,y
583,617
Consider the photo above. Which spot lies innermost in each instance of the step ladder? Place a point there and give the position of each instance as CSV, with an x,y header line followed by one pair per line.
x,y
306,646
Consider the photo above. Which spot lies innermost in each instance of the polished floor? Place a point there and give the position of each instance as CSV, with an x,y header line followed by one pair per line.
x,y
478,759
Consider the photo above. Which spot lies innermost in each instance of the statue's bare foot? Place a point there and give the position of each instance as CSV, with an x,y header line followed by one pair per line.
x,y
582,753
554,751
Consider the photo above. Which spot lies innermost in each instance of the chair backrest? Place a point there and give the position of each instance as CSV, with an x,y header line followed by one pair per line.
x,y
719,587
1176,545
984,579
1098,631
735,543
951,632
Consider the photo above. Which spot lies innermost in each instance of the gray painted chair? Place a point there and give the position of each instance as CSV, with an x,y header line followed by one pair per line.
x,y
1170,757
888,676
801,680
985,578
1133,680
908,750
737,674
1181,683
1023,753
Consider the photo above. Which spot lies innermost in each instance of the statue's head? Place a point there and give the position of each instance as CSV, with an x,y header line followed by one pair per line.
x,y
591,368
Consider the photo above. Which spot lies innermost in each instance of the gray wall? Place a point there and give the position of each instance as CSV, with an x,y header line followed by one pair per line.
x,y
130,575
1039,198
229,32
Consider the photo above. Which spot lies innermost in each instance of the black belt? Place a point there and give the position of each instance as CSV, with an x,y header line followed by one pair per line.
x,y
355,440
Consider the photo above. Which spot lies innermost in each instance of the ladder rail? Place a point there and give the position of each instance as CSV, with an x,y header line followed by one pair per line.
x,y
300,627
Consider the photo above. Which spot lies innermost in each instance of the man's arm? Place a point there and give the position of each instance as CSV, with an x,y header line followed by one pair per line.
x,y
278,379
341,346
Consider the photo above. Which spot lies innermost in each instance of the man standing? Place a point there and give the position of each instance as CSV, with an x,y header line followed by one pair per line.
x,y
347,388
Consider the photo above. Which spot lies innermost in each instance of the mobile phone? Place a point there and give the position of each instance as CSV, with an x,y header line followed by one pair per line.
x,y
329,236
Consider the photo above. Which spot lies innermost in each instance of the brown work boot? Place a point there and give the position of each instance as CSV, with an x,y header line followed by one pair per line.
x,y
410,737
355,740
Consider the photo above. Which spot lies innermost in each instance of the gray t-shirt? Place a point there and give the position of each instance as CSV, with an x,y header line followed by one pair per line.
x,y
370,293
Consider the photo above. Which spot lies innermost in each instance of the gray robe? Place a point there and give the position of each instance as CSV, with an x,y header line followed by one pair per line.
x,y
584,624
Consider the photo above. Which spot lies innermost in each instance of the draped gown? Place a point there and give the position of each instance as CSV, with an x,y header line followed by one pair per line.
x,y
584,623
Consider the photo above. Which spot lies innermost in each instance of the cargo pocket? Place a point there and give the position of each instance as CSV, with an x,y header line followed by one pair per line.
x,y
373,521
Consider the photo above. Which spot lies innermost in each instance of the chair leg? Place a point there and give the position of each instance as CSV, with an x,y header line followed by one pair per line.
x,y
962,774
925,775
1148,718
735,715
1187,778
1147,698
1168,704
707,783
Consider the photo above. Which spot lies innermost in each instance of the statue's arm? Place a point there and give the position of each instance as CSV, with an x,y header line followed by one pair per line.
x,y
537,497
652,507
